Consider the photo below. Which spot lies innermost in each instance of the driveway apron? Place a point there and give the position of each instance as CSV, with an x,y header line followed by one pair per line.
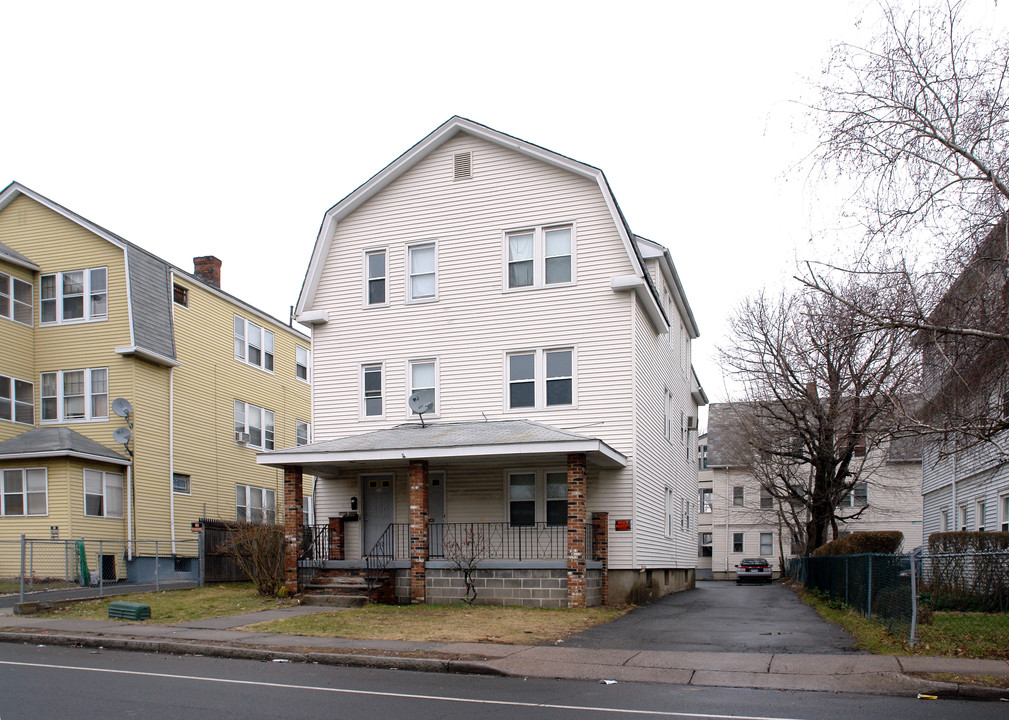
x,y
720,616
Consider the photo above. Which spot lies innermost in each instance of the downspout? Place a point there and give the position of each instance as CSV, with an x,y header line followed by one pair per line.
x,y
129,509
171,452
727,501
955,510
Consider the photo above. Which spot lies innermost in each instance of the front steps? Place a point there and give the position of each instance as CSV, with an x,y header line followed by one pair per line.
x,y
346,588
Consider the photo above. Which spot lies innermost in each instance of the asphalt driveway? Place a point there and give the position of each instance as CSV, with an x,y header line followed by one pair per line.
x,y
719,616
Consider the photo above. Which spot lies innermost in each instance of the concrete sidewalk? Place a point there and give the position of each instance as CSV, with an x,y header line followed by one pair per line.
x,y
221,637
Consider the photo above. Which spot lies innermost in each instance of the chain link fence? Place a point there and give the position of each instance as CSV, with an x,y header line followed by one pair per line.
x,y
949,600
50,570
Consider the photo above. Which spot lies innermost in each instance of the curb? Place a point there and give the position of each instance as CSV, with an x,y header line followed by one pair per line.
x,y
959,691
175,647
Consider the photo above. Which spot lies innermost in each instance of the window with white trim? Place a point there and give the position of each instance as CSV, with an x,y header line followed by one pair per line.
x,y
962,511
181,484
670,503
372,390
302,358
255,504
1003,504
766,500
539,257
15,299
254,426
103,494
253,344
766,544
74,296
944,513
374,278
981,509
24,492
75,395
667,415
537,496
17,400
704,544
737,542
705,501
422,267
540,378
302,433
737,495
307,511
424,382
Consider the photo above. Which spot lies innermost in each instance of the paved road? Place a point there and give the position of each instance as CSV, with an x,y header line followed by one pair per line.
x,y
59,682
720,616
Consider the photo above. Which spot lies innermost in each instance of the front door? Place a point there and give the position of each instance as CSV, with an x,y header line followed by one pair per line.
x,y
378,508
436,511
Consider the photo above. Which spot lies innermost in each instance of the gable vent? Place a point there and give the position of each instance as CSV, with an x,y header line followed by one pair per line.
x,y
462,164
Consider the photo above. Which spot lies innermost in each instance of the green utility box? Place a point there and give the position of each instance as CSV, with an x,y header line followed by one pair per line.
x,y
129,611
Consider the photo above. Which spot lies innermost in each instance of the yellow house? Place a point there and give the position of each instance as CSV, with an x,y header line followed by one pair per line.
x,y
99,336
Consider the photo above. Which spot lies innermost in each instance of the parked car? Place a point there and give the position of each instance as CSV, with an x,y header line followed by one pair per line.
x,y
753,570
904,565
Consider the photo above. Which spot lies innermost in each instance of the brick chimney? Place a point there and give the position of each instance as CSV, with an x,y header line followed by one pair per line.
x,y
208,269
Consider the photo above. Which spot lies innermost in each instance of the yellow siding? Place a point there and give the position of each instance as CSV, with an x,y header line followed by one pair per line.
x,y
18,344
207,384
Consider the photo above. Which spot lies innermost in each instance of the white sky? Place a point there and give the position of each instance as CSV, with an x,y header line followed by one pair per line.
x,y
228,128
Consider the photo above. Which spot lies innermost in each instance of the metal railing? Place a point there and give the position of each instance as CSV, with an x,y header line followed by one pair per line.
x,y
503,541
396,537
46,569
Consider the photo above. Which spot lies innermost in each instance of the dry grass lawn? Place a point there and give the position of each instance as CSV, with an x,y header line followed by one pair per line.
x,y
446,623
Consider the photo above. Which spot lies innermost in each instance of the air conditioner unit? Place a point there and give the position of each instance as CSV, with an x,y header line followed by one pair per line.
x,y
691,422
241,438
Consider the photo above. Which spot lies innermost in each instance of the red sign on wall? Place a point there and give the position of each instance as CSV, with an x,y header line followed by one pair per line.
x,y
622,525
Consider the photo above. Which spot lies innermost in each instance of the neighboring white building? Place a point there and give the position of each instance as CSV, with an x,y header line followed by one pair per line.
x,y
499,282
742,520
968,490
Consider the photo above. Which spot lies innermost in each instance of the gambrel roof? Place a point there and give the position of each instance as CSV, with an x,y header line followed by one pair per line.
x,y
642,283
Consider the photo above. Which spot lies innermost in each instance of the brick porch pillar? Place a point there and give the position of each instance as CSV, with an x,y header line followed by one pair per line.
x,y
576,530
418,530
336,538
293,520
601,550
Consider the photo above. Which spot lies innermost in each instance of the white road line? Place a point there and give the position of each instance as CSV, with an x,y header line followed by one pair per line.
x,y
409,696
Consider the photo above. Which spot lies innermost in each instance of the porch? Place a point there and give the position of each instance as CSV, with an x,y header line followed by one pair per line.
x,y
508,497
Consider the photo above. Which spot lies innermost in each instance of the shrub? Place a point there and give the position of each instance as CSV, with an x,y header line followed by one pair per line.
x,y
968,572
860,543
259,552
967,542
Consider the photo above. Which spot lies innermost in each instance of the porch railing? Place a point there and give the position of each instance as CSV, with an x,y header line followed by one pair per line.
x,y
391,544
502,541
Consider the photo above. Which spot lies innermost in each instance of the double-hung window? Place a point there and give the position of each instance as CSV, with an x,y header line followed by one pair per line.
x,y
981,510
75,395
103,494
537,496
422,267
670,512
25,492
17,400
1003,503
424,382
737,496
372,388
254,426
375,274
705,501
15,299
766,544
74,296
737,542
540,378
539,257
301,363
766,500
302,433
704,548
253,344
255,505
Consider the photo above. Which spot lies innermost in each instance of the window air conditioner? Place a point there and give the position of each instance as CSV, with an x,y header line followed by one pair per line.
x,y
241,438
691,422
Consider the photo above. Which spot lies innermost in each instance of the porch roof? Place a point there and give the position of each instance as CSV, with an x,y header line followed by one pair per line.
x,y
412,441
57,442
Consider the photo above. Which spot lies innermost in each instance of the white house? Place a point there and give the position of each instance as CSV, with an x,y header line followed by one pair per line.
x,y
739,519
498,283
967,488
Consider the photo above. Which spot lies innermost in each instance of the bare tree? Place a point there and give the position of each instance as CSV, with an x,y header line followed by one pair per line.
x,y
820,396
919,120
466,547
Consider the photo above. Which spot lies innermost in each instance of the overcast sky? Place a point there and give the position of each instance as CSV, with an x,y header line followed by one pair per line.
x,y
228,128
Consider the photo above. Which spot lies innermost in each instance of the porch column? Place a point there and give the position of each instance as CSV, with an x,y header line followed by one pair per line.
x,y
576,530
293,498
336,533
418,530
601,551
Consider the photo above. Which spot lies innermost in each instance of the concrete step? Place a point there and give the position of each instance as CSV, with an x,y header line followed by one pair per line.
x,y
345,585
334,600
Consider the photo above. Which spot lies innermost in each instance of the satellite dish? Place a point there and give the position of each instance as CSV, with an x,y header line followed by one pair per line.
x,y
419,405
122,407
122,435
